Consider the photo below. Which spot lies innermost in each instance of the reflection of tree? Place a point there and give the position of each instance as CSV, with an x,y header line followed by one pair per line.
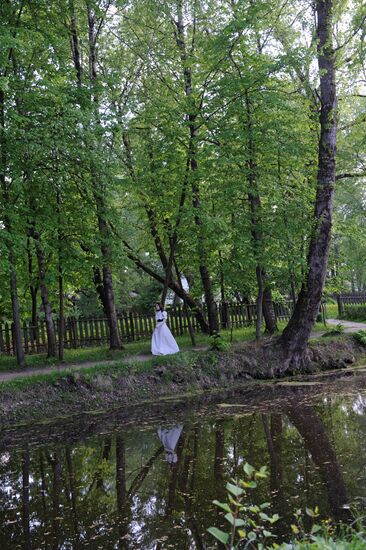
x,y
107,445
272,424
56,494
190,475
173,478
25,498
311,429
273,431
219,460
43,483
139,479
71,479
98,480
123,505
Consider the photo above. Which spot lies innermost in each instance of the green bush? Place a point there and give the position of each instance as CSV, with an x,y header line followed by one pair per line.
x,y
217,343
249,526
361,337
336,330
355,312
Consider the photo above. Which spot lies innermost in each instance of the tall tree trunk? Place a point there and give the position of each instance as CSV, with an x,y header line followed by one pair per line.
x,y
268,309
33,290
17,330
50,328
105,280
61,312
98,283
108,292
192,150
255,219
296,335
61,309
99,191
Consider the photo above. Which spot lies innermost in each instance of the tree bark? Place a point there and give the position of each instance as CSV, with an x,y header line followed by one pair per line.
x,y
109,302
255,206
47,308
296,335
192,150
17,330
268,309
33,290
61,309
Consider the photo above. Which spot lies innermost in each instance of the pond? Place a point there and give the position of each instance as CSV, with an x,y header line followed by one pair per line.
x,y
146,478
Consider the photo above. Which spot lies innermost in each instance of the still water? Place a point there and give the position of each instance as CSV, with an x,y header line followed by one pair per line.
x,y
145,479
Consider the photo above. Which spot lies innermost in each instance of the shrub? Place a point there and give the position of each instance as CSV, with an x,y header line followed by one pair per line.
x,y
355,312
249,525
360,336
217,343
338,329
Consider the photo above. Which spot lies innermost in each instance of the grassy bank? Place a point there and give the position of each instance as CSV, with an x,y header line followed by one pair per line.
x,y
142,347
102,387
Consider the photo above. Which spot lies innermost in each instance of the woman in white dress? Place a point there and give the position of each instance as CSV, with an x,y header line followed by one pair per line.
x,y
163,342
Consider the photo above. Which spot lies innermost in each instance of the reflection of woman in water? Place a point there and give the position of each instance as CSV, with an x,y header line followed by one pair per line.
x,y
163,342
169,438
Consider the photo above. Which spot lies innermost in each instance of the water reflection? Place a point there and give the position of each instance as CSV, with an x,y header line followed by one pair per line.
x,y
169,438
116,491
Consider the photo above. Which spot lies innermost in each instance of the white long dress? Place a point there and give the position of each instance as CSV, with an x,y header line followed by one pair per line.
x,y
163,342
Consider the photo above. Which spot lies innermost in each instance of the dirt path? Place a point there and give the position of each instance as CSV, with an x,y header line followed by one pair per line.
x,y
70,367
349,326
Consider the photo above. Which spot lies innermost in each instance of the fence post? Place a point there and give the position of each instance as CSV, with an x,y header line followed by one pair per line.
x,y
340,306
132,327
225,317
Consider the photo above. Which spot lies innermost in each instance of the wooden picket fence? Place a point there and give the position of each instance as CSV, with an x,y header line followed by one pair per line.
x,y
349,298
88,332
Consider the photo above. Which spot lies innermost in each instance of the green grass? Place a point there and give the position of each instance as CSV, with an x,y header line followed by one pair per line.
x,y
332,311
142,347
186,359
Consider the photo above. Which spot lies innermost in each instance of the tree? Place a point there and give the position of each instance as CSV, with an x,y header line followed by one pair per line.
x,y
296,335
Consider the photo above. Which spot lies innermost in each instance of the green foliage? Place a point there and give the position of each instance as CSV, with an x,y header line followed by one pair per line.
x,y
335,331
217,343
355,312
250,525
67,161
360,336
